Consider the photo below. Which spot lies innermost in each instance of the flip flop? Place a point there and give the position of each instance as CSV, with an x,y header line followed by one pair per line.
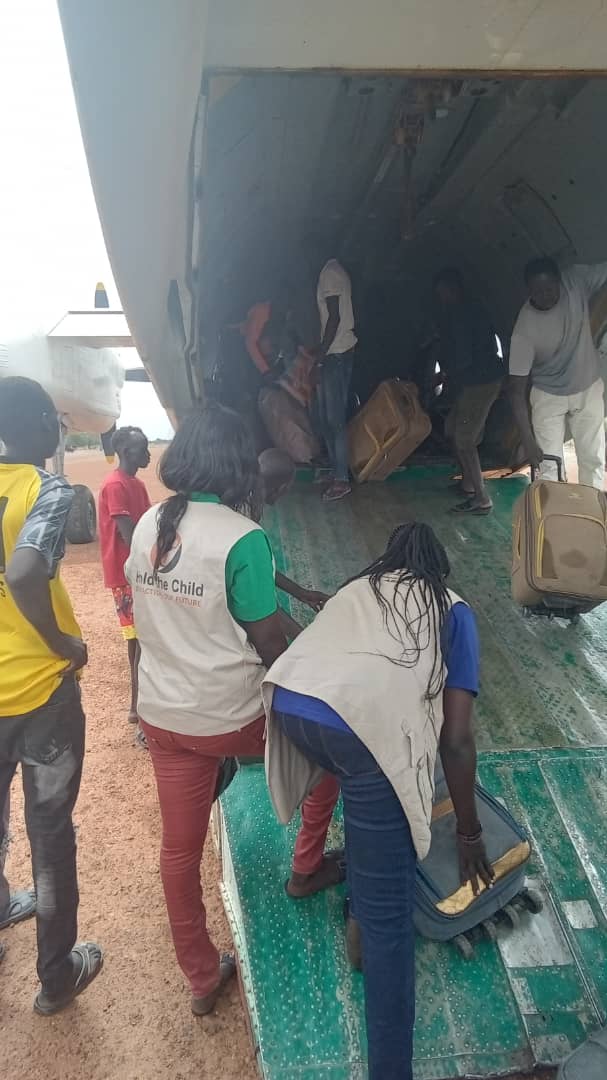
x,y
91,960
202,1006
21,906
336,492
470,507
331,873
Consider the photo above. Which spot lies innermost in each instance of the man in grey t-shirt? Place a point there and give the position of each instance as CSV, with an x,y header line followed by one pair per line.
x,y
552,342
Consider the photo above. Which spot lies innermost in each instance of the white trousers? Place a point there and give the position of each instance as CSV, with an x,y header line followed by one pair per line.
x,y
584,415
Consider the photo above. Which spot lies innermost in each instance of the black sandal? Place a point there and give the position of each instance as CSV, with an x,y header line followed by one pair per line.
x,y
91,961
202,1006
21,906
331,873
470,507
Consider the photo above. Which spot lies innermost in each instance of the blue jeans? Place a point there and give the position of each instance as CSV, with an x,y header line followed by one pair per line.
x,y
381,876
333,387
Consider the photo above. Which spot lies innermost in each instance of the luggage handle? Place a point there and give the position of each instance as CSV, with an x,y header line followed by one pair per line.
x,y
559,466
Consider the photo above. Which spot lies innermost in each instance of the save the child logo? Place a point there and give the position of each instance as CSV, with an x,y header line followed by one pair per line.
x,y
164,584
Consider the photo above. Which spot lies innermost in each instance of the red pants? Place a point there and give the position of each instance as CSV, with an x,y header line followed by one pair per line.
x,y
186,768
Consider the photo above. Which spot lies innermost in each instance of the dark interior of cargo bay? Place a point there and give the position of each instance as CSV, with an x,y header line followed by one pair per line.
x,y
404,176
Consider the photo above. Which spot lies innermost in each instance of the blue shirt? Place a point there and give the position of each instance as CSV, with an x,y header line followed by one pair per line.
x,y
461,653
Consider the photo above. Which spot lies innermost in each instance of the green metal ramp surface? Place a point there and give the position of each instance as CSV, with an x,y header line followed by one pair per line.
x,y
536,993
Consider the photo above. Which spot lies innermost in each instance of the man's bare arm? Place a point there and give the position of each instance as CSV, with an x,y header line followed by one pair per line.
x,y
28,581
126,528
517,392
332,326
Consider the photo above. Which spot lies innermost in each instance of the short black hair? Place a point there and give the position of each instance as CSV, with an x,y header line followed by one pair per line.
x,y
542,267
450,276
23,403
122,437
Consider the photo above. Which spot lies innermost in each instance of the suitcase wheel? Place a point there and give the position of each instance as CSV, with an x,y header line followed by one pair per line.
x,y
531,901
464,946
511,916
490,929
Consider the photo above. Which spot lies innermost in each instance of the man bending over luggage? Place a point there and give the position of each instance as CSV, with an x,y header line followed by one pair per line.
x,y
41,718
552,345
469,358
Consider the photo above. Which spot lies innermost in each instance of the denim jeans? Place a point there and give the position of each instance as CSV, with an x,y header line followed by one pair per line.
x,y
48,743
381,876
333,388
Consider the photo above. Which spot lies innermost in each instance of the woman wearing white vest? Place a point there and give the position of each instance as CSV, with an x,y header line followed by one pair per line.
x,y
386,674
205,607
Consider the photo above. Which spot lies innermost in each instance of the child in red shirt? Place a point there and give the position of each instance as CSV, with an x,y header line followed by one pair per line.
x,y
123,499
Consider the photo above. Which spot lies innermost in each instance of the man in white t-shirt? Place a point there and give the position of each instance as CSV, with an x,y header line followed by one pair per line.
x,y
552,342
334,365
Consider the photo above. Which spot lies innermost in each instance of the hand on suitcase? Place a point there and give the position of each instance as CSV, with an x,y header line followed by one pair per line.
x,y
534,453
473,862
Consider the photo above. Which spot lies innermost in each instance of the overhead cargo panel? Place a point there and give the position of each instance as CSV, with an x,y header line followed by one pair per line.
x,y
538,220
411,35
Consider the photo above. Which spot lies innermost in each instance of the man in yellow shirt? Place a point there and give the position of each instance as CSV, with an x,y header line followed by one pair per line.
x,y
41,718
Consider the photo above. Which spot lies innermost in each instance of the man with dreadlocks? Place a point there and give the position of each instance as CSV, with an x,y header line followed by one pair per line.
x,y
123,500
384,676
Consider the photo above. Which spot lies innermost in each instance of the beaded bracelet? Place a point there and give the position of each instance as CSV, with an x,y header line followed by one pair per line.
x,y
473,839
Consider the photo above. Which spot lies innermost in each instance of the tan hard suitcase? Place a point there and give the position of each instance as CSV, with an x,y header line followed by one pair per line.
x,y
559,548
386,431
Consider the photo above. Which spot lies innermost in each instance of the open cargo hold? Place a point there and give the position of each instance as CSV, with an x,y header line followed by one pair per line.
x,y
405,172
404,176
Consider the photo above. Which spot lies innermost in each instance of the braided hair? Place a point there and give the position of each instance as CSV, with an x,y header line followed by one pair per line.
x,y
212,451
417,563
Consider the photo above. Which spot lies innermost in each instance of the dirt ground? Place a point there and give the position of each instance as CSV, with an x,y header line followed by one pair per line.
x,y
134,1023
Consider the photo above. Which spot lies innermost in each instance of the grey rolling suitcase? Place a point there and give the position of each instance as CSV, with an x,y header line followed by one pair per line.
x,y
589,1061
445,909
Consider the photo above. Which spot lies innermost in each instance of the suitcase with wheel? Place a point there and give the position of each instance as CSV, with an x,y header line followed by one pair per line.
x,y
386,431
446,910
559,547
589,1061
